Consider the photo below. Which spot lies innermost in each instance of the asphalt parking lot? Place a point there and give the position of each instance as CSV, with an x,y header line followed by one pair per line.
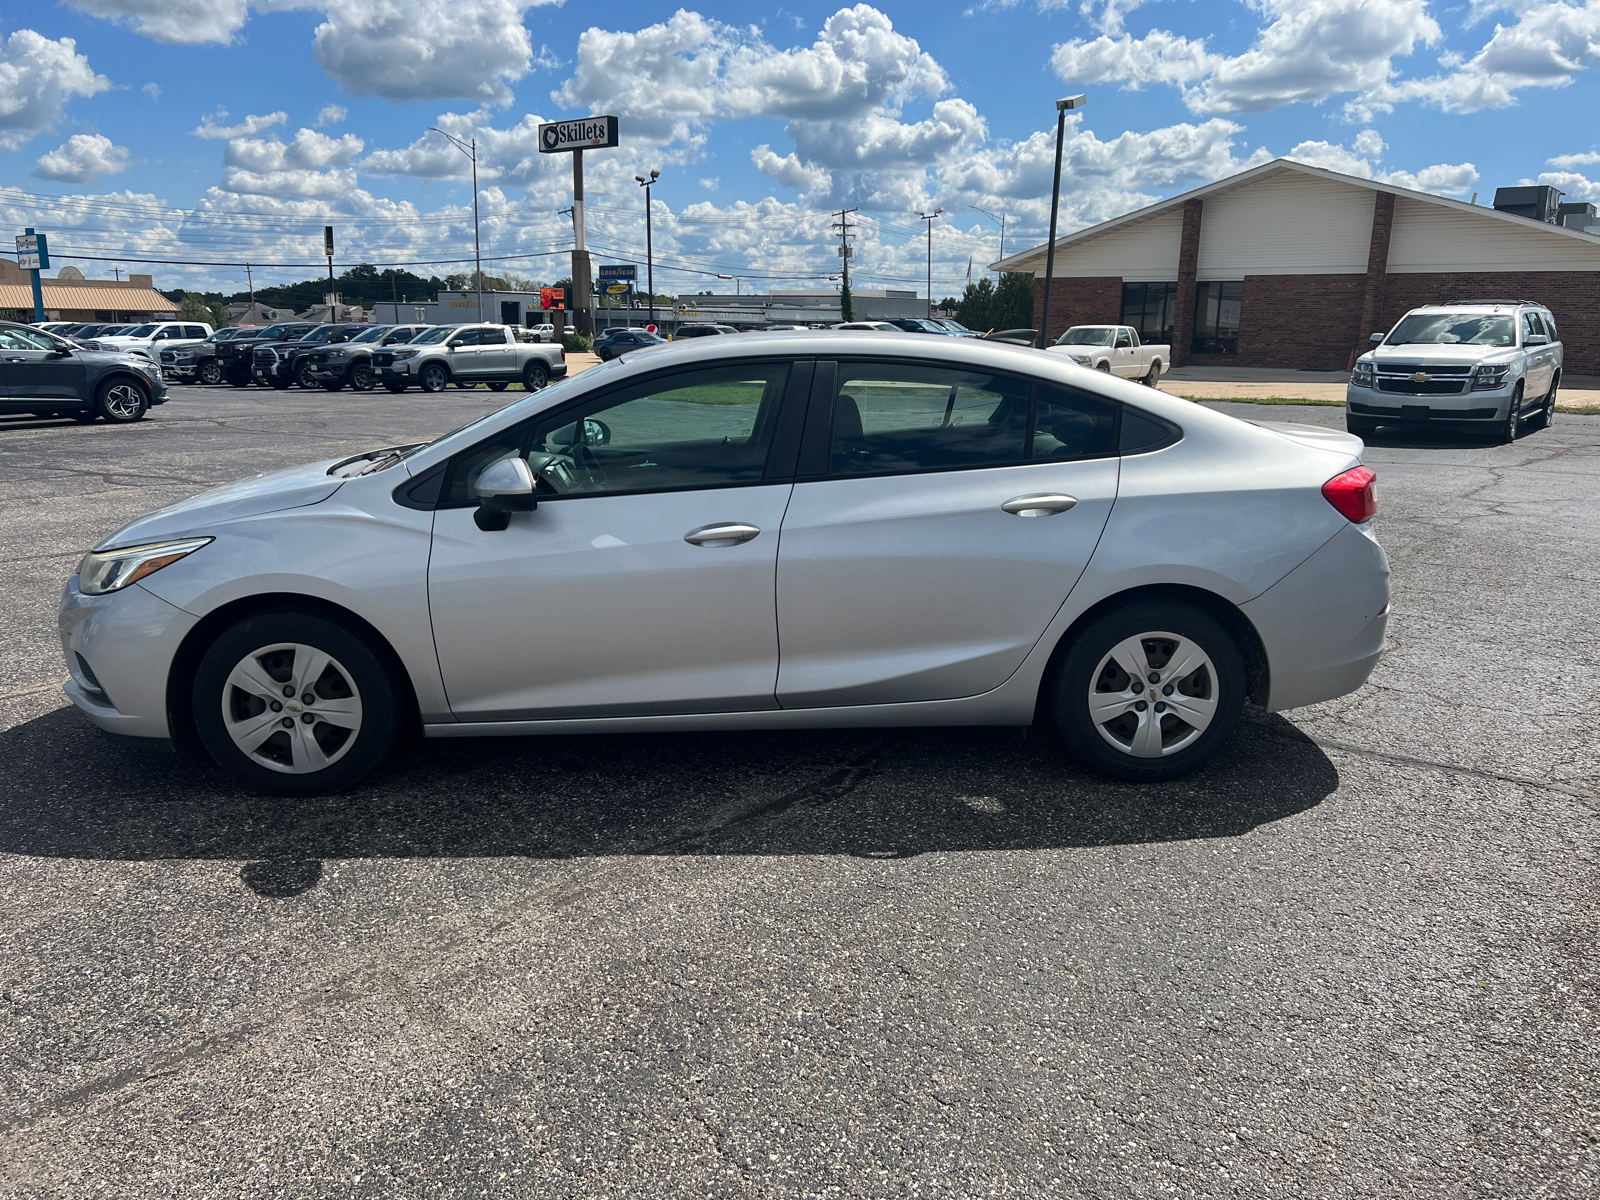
x,y
1355,956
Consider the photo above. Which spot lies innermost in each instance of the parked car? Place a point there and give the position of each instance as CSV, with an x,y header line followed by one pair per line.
x,y
701,330
351,363
869,327
196,362
1013,337
469,354
287,363
1060,548
154,336
542,333
956,327
48,375
918,325
234,355
1115,349
1495,364
614,343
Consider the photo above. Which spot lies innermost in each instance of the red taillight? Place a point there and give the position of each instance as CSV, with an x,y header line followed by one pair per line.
x,y
1351,493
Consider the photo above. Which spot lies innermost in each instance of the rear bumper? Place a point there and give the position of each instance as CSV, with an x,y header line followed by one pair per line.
x,y
1323,624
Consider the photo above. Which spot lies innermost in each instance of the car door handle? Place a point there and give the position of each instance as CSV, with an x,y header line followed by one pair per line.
x,y
1042,504
731,533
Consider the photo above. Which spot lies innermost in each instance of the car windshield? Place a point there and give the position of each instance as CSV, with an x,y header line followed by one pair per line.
x,y
371,335
954,326
1453,329
1087,336
435,335
320,334
142,331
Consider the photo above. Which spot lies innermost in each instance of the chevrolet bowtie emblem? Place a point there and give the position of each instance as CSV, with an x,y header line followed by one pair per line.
x,y
1421,377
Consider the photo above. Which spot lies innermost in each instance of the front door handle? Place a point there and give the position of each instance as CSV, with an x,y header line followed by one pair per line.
x,y
1042,504
730,533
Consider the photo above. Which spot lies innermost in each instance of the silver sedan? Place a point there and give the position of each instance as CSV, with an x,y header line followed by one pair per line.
x,y
835,529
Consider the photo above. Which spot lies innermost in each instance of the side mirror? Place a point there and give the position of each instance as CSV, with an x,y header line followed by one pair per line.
x,y
1375,338
1536,339
595,433
504,488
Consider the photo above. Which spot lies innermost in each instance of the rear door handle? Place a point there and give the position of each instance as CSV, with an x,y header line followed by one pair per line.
x,y
730,533
1042,504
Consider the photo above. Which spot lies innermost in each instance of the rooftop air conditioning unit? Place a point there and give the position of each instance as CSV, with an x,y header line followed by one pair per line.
x,y
1537,203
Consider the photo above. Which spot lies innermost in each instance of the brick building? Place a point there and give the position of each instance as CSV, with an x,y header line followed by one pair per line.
x,y
1287,265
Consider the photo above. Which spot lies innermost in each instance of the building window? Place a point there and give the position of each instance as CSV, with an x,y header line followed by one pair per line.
x,y
1149,308
1216,318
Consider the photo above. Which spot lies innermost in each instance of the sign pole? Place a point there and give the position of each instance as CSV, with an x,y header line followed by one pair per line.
x,y
573,137
38,291
580,254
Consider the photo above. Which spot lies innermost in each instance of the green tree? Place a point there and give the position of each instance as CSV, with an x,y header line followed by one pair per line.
x,y
847,306
193,307
975,309
219,314
1013,301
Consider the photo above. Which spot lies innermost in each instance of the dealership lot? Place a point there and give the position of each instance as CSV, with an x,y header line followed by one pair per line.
x,y
1354,956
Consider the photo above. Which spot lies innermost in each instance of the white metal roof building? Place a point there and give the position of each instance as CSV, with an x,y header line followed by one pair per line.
x,y
1288,265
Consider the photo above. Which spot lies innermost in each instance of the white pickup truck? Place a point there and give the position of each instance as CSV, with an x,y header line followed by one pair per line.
x,y
1116,349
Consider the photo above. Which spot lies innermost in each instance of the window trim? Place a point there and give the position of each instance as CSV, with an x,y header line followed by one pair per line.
x,y
817,443
781,454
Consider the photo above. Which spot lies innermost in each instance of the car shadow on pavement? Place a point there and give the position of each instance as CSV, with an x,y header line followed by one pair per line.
x,y
71,792
1432,437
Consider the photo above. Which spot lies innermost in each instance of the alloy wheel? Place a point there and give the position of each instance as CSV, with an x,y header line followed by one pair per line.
x,y
291,708
361,377
1153,694
123,402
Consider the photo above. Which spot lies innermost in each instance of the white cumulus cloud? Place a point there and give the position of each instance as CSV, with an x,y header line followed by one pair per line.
x,y
37,79
331,114
83,158
313,164
1361,160
249,127
175,22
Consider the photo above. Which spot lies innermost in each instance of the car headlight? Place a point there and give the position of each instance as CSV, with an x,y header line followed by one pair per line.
x,y
1363,375
1083,359
1486,377
399,354
103,571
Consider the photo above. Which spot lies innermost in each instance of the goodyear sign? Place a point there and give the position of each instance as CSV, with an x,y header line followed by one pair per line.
x,y
620,271
590,133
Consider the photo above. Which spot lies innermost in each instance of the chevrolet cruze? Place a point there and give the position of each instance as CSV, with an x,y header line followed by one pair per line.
x,y
763,532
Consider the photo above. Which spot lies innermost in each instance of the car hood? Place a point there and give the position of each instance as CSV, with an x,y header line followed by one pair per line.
x,y
1452,354
294,487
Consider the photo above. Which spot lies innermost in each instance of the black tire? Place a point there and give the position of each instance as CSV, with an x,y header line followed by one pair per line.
x,y
499,385
121,401
433,378
396,388
603,354
1105,366
1363,427
83,415
535,376
278,384
304,378
361,379
1153,375
1067,692
375,689
1511,426
1546,415
463,385
209,374
239,380
333,385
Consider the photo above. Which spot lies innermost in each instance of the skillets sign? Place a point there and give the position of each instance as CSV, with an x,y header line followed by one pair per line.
x,y
591,133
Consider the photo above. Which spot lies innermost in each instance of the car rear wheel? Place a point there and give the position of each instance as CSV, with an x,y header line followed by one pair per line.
x,y
333,385
434,378
396,388
239,380
499,385
1148,692
83,415
295,704
1513,422
535,376
209,374
1153,375
121,401
361,377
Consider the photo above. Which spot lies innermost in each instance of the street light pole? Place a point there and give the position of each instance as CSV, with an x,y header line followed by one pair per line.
x,y
1055,201
470,149
929,217
649,249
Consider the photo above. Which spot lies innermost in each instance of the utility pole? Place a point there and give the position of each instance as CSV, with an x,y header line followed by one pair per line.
x,y
1001,220
930,218
1055,201
117,273
327,248
844,225
250,282
649,249
470,149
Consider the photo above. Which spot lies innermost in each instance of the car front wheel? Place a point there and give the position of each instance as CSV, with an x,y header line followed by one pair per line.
x,y
121,401
295,704
1513,422
434,378
210,374
1148,692
304,378
361,377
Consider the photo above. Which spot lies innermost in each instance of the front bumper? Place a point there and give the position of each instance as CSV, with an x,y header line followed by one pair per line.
x,y
330,372
129,639
399,370
1393,407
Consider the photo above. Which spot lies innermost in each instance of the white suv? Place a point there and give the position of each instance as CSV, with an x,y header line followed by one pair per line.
x,y
1492,363
156,336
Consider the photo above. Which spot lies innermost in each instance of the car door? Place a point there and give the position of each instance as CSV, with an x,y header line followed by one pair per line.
x,y
35,368
939,519
462,348
495,355
1542,362
1124,358
643,583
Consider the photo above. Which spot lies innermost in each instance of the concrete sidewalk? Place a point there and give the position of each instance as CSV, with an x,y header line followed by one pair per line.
x,y
1258,383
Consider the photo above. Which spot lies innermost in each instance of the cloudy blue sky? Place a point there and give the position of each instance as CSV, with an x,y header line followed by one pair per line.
x,y
226,131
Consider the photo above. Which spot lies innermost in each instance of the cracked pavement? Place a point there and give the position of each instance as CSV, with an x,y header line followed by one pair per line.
x,y
1355,956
